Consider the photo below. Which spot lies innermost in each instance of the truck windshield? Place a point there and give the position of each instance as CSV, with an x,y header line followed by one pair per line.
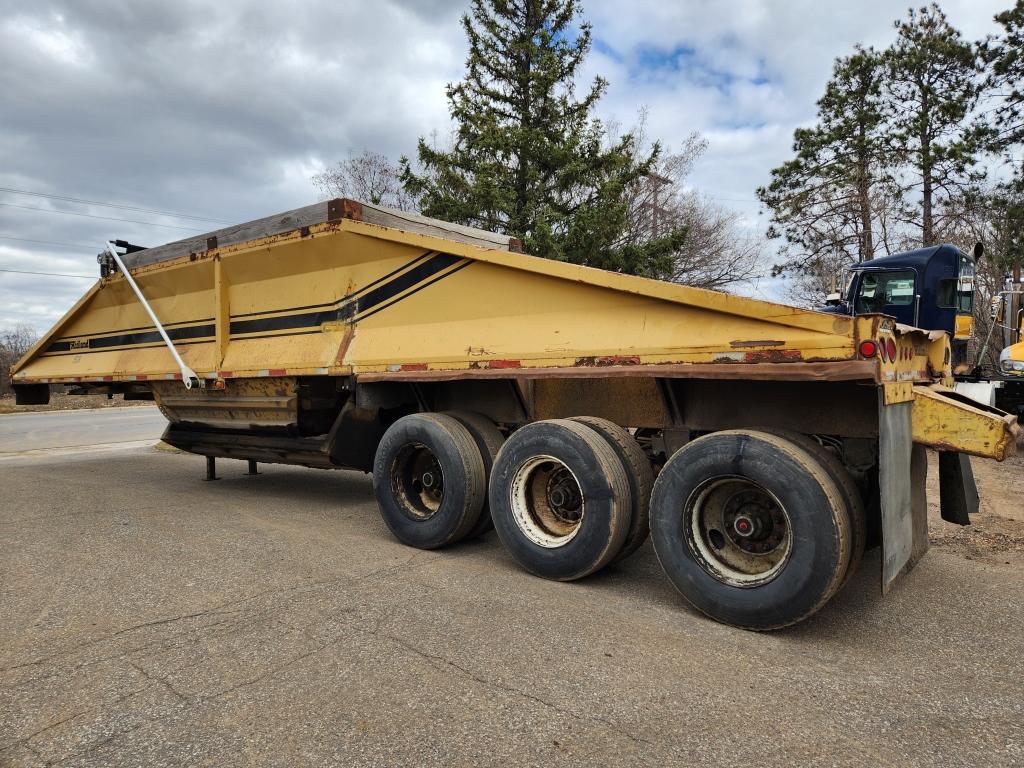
x,y
847,283
880,289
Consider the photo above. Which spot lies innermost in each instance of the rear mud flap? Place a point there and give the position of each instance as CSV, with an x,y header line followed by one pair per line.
x,y
903,467
957,490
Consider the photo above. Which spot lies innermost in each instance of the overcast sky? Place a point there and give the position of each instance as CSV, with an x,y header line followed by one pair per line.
x,y
224,110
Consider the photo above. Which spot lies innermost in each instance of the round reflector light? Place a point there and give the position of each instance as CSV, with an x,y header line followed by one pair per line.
x,y
868,348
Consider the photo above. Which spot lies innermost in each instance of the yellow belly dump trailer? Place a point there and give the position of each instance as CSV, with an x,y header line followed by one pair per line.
x,y
763,447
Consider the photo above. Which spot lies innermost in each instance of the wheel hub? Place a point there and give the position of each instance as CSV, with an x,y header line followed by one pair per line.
x,y
739,531
418,481
547,501
753,522
563,496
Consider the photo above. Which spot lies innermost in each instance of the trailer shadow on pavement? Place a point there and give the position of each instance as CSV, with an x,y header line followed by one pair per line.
x,y
151,618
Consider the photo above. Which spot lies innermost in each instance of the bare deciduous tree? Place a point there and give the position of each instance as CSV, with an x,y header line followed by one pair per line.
x,y
718,252
367,176
14,342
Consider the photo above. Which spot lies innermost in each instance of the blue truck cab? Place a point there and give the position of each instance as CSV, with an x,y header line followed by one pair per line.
x,y
930,288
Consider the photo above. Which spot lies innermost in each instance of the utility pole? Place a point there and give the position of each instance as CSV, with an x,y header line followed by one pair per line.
x,y
656,182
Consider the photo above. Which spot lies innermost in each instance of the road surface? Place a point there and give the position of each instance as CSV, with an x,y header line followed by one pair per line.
x,y
20,432
151,618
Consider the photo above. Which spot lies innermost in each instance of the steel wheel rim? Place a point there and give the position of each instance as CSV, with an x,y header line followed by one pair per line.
x,y
739,532
547,501
417,481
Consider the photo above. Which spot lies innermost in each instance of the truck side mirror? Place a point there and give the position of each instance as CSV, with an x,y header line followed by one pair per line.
x,y
833,300
978,251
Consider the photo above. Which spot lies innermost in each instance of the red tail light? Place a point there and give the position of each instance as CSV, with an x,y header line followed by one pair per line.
x,y
868,348
890,347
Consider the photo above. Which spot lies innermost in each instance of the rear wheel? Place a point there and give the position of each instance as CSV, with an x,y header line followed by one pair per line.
x,y
847,486
429,480
640,476
488,441
560,499
750,528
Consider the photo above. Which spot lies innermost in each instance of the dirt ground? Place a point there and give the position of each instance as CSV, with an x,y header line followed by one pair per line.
x,y
996,534
62,402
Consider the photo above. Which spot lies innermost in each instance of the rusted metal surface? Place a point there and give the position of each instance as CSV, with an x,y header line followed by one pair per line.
x,y
846,409
632,402
266,402
845,370
948,421
755,343
309,452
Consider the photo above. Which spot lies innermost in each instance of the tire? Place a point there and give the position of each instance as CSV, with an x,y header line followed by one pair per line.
x,y
799,541
560,499
488,441
847,486
422,514
640,476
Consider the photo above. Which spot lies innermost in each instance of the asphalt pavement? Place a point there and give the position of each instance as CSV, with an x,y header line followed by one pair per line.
x,y
20,432
154,619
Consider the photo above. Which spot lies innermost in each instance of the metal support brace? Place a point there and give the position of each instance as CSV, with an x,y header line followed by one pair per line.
x,y
188,376
211,468
252,468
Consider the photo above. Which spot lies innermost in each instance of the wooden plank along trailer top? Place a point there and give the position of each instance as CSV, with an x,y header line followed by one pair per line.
x,y
485,387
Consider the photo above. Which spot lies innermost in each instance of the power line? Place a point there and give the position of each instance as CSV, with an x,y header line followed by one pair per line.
x,y
76,246
93,216
48,274
122,206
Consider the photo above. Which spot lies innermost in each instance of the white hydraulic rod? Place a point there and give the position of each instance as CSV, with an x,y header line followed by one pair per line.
x,y
188,376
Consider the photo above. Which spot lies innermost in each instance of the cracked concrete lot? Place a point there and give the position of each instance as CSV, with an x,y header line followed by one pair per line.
x,y
152,619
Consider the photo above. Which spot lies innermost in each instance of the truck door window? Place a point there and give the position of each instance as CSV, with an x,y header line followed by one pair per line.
x,y
947,293
880,289
965,286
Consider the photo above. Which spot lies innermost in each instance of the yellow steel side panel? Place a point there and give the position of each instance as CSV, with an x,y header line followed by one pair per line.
x,y
485,312
673,292
125,365
182,297
182,293
302,272
946,421
285,352
350,296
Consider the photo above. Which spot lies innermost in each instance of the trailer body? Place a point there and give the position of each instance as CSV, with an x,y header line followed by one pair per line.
x,y
318,332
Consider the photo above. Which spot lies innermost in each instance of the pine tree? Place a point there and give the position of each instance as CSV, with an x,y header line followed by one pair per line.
x,y
823,200
1005,57
528,157
933,90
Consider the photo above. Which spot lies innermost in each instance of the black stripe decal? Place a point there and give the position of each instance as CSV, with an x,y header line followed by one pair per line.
x,y
145,337
140,328
383,293
378,298
345,298
389,290
416,290
161,345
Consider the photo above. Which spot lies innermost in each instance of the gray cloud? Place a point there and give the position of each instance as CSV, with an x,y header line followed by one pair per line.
x,y
226,109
